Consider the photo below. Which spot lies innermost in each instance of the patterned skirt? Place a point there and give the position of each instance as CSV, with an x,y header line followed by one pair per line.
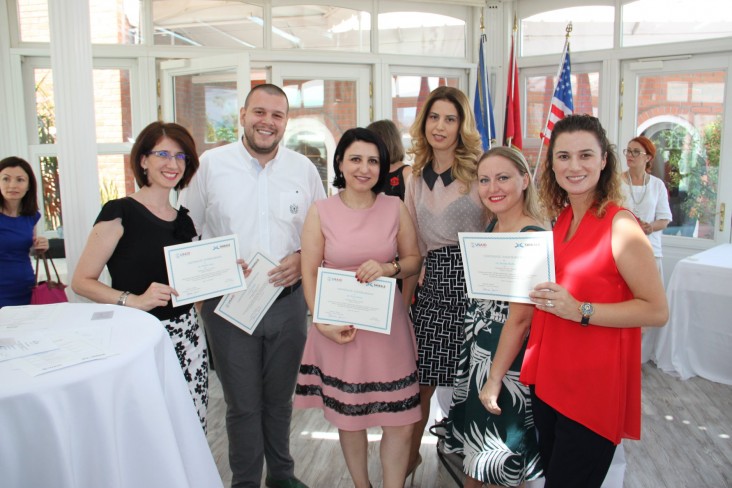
x,y
496,449
190,346
439,315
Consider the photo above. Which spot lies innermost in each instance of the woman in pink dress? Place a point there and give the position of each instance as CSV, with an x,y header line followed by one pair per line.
x,y
358,377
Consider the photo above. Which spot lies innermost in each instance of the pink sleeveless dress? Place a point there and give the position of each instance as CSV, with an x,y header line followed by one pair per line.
x,y
371,381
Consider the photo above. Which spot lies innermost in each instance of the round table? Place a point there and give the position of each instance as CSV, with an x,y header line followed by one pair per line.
x,y
127,420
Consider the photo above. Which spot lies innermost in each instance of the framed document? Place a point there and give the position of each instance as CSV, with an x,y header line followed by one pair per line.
x,y
204,269
341,300
506,265
245,309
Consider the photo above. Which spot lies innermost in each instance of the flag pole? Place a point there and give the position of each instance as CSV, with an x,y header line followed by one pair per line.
x,y
482,104
559,72
512,71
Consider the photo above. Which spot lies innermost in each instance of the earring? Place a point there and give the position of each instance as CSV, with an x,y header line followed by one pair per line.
x,y
144,171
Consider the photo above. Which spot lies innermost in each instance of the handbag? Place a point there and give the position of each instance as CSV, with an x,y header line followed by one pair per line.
x,y
48,291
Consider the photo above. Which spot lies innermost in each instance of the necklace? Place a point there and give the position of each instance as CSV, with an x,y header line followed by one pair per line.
x,y
636,203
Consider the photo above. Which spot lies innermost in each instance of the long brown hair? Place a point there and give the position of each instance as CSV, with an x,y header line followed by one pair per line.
x,y
469,146
553,196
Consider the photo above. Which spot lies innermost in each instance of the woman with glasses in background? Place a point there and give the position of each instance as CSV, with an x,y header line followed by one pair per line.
x,y
645,194
129,236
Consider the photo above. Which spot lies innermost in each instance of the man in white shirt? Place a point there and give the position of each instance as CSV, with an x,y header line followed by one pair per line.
x,y
260,191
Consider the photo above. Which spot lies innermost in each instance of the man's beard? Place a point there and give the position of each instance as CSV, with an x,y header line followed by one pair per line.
x,y
256,148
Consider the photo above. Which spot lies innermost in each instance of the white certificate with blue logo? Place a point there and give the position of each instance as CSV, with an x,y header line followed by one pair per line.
x,y
204,269
506,266
341,300
247,308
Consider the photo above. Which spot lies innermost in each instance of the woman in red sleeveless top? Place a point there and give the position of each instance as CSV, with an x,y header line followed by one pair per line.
x,y
583,356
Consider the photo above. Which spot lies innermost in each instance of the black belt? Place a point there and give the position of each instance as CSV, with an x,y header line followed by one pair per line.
x,y
289,290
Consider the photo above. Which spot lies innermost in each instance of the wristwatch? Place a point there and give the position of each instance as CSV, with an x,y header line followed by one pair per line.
x,y
586,309
397,267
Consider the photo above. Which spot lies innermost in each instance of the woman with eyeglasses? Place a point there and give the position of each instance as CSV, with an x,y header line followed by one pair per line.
x,y
128,238
645,194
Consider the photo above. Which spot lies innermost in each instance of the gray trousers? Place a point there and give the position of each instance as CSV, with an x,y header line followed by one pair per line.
x,y
258,374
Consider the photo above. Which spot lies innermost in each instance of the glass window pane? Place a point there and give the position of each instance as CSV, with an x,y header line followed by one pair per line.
x,y
51,192
112,105
421,33
321,27
544,33
409,93
116,179
45,107
33,20
661,21
326,109
115,22
539,92
207,106
226,23
682,114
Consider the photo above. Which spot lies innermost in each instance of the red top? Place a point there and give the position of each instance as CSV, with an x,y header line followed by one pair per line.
x,y
589,374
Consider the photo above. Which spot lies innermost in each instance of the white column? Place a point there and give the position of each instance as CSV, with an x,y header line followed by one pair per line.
x,y
71,61
10,129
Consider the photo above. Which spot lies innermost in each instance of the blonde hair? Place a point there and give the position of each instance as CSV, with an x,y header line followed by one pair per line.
x,y
553,196
531,207
469,146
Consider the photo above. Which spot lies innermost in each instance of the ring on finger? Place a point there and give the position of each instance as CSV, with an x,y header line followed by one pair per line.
x,y
549,304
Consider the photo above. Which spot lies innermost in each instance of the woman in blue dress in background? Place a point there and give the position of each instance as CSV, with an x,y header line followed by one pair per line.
x,y
18,217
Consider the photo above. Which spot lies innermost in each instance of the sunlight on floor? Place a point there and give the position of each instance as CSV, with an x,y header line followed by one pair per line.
x,y
333,436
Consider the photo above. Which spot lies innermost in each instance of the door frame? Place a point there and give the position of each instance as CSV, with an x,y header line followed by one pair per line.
x,y
676,247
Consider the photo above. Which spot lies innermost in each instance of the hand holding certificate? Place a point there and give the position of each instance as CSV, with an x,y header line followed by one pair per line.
x,y
506,266
245,309
341,300
204,269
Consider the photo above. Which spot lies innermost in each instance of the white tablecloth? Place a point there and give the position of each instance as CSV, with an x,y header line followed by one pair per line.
x,y
697,340
126,421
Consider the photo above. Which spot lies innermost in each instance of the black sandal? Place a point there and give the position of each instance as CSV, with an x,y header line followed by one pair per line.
x,y
439,429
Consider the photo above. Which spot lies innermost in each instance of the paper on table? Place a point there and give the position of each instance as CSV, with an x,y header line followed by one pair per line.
x,y
20,345
341,300
245,309
506,265
30,316
204,269
72,349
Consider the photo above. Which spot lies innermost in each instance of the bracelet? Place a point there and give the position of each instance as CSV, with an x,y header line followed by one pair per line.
x,y
122,300
397,268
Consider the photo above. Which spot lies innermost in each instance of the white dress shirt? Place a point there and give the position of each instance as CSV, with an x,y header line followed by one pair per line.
x,y
266,207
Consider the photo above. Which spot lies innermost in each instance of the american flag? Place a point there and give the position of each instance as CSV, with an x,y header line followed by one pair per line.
x,y
562,103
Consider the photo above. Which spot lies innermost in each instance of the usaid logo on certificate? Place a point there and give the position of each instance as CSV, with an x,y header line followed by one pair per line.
x,y
204,269
507,265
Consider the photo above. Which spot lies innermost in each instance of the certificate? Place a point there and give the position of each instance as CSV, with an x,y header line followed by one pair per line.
x,y
245,309
341,300
204,269
506,265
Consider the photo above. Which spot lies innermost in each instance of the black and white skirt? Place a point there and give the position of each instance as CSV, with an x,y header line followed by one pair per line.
x,y
439,316
189,341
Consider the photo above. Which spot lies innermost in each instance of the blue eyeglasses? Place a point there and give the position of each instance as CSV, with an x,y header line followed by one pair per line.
x,y
168,155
